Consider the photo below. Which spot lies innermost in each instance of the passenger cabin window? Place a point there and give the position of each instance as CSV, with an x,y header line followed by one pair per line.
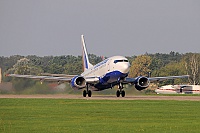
x,y
116,61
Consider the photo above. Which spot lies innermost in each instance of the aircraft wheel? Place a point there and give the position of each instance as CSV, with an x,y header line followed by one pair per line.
x,y
123,93
84,93
118,93
89,93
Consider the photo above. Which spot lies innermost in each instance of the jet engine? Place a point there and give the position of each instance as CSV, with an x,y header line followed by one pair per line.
x,y
78,82
141,83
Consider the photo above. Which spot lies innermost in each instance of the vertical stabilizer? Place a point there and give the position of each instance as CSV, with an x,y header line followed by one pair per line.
x,y
86,63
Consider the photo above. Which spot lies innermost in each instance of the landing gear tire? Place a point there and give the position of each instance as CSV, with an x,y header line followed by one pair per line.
x,y
84,93
118,93
123,93
89,93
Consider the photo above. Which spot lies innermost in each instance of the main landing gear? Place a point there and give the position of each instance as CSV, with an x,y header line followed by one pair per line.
x,y
87,92
120,91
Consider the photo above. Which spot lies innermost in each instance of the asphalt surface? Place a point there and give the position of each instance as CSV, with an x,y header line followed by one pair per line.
x,y
107,97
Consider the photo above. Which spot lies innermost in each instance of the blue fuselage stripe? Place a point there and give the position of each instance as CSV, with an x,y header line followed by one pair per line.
x,y
110,79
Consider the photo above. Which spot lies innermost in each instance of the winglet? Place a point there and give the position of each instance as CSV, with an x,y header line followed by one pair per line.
x,y
86,63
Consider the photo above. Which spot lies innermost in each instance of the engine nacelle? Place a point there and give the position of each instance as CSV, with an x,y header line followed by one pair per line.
x,y
141,83
78,82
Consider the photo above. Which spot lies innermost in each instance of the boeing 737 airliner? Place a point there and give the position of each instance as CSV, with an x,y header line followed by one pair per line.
x,y
104,75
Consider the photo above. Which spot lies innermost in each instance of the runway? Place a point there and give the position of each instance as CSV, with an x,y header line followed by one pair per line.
x,y
107,97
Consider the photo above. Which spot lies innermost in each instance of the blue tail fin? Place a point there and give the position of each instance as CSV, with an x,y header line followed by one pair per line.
x,y
86,63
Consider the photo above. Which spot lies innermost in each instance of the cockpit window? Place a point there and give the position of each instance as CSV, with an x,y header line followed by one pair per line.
x,y
116,61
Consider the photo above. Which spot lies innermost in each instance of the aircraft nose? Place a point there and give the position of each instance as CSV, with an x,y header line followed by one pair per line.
x,y
126,67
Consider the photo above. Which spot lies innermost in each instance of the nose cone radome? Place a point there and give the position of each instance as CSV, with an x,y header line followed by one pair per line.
x,y
125,67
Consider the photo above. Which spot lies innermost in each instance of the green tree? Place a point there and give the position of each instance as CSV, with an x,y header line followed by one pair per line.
x,y
74,68
140,66
192,65
24,67
172,69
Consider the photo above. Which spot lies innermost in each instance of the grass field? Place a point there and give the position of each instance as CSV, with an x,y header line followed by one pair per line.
x,y
67,115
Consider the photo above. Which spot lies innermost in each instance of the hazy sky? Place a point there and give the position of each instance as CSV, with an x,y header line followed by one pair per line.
x,y
110,27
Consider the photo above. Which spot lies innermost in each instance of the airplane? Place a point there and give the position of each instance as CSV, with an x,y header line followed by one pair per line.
x,y
178,89
108,73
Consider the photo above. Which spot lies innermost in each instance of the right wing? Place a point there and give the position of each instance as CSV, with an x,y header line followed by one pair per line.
x,y
55,77
41,78
58,75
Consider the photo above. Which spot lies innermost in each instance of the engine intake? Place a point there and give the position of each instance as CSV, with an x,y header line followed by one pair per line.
x,y
141,83
78,82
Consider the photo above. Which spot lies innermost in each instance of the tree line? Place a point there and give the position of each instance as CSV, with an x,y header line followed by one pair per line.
x,y
157,64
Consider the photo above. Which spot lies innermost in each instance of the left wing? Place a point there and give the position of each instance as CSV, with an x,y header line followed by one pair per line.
x,y
152,79
143,82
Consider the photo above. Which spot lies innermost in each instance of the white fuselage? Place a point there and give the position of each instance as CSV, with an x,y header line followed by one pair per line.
x,y
109,70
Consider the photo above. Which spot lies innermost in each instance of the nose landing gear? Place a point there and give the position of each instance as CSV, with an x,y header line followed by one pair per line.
x,y
120,91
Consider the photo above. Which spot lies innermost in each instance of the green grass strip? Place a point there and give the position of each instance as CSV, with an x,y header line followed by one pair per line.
x,y
90,116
